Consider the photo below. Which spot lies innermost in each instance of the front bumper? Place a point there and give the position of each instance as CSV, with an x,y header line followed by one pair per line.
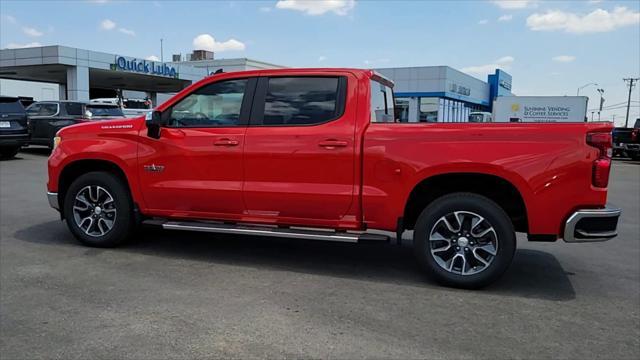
x,y
53,200
592,225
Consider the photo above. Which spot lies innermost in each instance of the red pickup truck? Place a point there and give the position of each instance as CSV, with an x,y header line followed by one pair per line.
x,y
317,154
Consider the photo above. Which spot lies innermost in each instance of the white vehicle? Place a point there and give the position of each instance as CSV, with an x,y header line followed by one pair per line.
x,y
540,109
130,107
480,116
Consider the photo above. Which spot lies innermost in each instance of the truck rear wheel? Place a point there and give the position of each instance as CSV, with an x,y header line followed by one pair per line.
x,y
98,209
464,240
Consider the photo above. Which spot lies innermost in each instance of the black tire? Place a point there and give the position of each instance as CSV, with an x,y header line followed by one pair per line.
x,y
123,218
504,238
9,152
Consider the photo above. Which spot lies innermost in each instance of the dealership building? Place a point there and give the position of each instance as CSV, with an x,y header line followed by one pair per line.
x,y
423,94
66,73
444,94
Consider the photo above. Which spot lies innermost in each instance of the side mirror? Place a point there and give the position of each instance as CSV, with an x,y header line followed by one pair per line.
x,y
154,124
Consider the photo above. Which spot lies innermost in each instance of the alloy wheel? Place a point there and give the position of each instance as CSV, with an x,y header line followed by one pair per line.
x,y
463,243
94,210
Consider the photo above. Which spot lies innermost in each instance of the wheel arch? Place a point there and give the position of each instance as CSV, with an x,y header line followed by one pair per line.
x,y
74,169
495,187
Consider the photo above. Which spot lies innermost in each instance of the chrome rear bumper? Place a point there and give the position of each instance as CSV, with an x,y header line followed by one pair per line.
x,y
53,200
592,225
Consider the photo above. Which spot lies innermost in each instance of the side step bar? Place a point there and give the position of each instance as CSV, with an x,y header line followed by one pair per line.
x,y
259,230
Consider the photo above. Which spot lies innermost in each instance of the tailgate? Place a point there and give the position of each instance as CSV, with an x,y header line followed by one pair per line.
x,y
13,124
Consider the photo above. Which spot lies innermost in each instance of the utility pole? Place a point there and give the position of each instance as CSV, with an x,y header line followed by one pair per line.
x,y
161,52
630,84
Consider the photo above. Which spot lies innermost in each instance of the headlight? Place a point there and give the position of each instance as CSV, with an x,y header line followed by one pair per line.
x,y
56,141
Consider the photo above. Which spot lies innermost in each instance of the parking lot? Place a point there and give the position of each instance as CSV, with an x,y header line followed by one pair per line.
x,y
187,295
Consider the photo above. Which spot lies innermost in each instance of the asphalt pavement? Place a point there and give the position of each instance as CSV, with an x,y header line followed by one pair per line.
x,y
172,295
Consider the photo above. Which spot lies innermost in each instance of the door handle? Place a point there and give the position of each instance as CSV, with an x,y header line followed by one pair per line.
x,y
332,144
226,142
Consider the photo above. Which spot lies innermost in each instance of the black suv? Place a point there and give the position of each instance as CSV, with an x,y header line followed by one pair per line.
x,y
47,117
14,126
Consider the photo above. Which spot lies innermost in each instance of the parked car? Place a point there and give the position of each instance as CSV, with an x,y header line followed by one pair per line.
x,y
47,117
316,154
14,128
130,107
621,136
632,147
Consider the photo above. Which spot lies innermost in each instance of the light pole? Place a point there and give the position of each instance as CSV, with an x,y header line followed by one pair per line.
x,y
601,91
584,86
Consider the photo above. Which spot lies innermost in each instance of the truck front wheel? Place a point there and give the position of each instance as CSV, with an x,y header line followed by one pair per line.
x,y
98,209
464,240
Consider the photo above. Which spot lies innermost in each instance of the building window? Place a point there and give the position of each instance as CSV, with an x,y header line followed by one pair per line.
x,y
402,109
429,109
382,106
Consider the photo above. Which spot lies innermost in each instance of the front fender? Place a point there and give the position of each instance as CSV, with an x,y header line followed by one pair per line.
x,y
121,152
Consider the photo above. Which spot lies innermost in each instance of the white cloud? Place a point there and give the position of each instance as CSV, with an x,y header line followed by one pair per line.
x,y
483,22
322,58
33,32
598,20
152,58
265,9
505,18
107,24
594,1
207,42
563,58
318,7
502,63
514,4
9,19
127,31
20,46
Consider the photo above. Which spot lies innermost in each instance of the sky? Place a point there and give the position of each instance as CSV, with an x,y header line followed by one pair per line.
x,y
549,47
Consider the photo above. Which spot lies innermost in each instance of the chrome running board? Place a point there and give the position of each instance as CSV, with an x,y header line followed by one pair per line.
x,y
274,231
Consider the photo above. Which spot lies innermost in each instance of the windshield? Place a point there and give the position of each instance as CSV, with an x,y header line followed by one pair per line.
x,y
11,106
104,111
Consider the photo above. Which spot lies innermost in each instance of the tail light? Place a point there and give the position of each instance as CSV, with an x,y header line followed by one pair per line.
x,y
634,135
602,165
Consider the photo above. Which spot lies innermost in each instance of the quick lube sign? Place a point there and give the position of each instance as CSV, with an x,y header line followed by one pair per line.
x,y
540,108
144,67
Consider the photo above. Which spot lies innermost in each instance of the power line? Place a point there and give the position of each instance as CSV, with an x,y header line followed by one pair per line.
x,y
630,83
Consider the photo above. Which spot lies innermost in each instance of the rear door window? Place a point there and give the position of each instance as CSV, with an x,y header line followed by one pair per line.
x,y
292,101
74,109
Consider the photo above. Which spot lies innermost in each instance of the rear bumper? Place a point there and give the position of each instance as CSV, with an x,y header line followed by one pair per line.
x,y
14,139
592,225
631,149
53,200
